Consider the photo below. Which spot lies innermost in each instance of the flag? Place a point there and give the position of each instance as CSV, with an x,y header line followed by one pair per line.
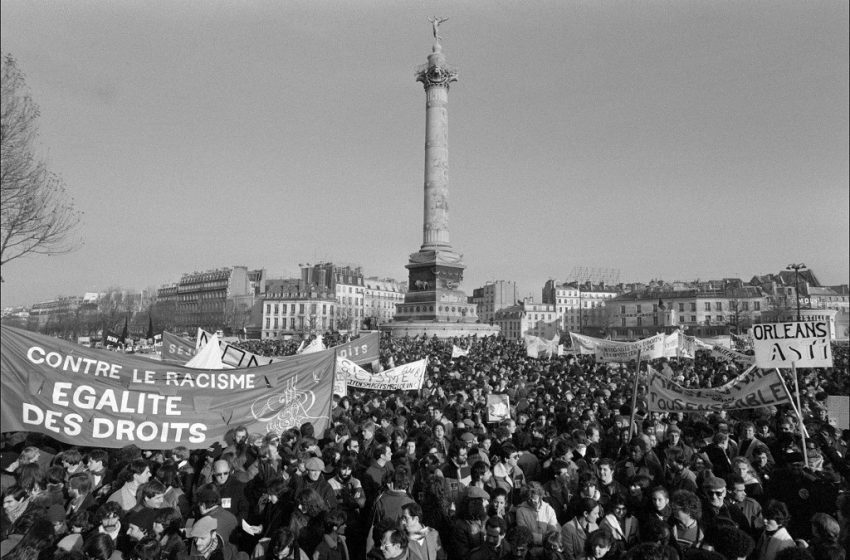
x,y
149,334
124,332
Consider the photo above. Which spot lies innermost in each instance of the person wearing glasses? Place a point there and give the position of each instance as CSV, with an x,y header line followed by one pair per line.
x,y
715,510
231,490
394,545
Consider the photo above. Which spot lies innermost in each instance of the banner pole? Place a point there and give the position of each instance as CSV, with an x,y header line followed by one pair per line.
x,y
790,399
634,397
800,413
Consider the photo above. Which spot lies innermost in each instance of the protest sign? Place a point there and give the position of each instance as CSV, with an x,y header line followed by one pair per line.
x,y
728,355
498,407
96,398
804,344
457,351
648,348
406,377
838,409
755,388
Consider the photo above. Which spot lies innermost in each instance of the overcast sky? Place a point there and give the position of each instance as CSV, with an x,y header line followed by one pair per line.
x,y
667,139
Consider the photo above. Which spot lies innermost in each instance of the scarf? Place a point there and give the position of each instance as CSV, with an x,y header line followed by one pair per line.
x,y
207,551
18,510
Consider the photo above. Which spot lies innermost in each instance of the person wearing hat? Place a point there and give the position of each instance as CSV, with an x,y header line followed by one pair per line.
x,y
715,510
314,479
207,544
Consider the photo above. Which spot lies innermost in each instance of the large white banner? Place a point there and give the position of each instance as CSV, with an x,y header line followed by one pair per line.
x,y
804,344
535,345
755,388
407,377
583,344
648,348
728,355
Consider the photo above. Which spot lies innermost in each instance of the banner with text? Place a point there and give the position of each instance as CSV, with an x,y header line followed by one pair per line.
x,y
805,344
753,389
176,348
648,348
361,350
84,396
729,355
406,377
583,344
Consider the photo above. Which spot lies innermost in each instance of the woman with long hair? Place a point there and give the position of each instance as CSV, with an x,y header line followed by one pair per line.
x,y
167,525
283,546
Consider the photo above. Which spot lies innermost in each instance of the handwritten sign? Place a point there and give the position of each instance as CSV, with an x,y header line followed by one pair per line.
x,y
805,344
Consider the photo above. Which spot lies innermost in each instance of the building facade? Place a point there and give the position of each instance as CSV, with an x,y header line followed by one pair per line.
x,y
581,307
494,296
291,308
528,318
380,297
712,310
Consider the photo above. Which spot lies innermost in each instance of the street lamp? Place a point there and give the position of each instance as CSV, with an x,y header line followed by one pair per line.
x,y
796,268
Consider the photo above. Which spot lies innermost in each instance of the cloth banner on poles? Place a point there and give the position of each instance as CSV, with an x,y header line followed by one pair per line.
x,y
583,344
406,377
457,351
361,350
90,397
535,345
804,344
649,349
176,349
755,388
498,407
671,345
728,355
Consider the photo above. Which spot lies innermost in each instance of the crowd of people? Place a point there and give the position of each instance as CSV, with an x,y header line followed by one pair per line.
x,y
574,473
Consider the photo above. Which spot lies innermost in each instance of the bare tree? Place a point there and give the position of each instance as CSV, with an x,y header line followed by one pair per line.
x,y
38,216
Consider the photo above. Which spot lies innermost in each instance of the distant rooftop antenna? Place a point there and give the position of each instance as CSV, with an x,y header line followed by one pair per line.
x,y
582,274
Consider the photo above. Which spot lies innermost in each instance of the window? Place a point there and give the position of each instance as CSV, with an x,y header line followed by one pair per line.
x,y
681,308
637,310
708,306
720,318
655,319
693,306
268,322
693,318
640,321
745,306
756,306
718,306
623,309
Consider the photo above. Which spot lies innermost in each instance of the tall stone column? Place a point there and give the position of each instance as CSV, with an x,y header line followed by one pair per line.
x,y
436,77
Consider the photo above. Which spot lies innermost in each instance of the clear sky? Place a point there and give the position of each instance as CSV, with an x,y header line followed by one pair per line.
x,y
669,139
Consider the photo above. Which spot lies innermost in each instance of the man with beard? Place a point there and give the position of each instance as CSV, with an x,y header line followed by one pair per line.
x,y
456,472
351,499
495,546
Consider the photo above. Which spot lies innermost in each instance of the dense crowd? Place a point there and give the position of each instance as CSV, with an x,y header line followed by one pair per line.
x,y
574,473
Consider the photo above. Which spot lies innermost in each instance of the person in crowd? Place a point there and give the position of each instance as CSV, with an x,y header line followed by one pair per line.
x,y
775,537
208,503
622,525
825,542
136,473
424,542
687,512
389,504
494,547
577,529
393,545
537,516
600,546
468,529
167,527
283,545
207,544
333,545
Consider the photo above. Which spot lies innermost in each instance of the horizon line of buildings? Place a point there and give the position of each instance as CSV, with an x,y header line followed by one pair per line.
x,y
328,296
